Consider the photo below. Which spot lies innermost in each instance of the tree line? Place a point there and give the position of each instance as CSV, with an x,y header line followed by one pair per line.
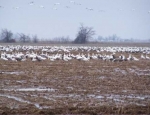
x,y
7,36
83,36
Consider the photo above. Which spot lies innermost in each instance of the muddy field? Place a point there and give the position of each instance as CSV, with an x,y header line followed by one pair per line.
x,y
75,87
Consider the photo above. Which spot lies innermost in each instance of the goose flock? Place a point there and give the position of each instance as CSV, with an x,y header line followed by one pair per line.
x,y
69,5
67,53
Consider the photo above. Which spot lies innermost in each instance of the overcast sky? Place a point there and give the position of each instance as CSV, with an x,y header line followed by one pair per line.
x,y
125,18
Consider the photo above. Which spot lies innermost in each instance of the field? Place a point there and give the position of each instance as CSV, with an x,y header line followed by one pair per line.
x,y
74,86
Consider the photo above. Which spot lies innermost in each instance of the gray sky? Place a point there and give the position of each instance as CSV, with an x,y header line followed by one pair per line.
x,y
125,18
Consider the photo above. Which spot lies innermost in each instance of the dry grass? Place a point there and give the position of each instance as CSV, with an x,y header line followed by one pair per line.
x,y
101,44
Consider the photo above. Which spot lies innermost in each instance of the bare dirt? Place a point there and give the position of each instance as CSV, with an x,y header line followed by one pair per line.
x,y
75,87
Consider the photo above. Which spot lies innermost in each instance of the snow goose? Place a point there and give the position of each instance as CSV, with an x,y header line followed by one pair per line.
x,y
134,58
44,55
16,7
4,58
142,56
51,58
65,57
94,56
147,57
11,58
111,57
33,59
32,55
130,57
40,58
57,3
124,58
31,3
41,6
78,57
58,56
19,56
84,58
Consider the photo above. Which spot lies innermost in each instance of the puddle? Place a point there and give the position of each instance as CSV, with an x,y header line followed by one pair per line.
x,y
35,89
31,89
138,97
22,81
102,77
46,97
13,73
140,72
99,97
91,95
21,100
120,98
70,88
120,71
15,98
145,70
131,70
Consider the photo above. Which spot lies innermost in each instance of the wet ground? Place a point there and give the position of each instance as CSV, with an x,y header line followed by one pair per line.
x,y
75,87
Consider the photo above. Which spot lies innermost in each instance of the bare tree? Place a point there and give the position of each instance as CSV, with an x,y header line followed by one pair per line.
x,y
65,39
62,39
84,34
6,36
24,38
35,39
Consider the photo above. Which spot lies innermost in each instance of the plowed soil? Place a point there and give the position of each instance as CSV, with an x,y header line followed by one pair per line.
x,y
75,87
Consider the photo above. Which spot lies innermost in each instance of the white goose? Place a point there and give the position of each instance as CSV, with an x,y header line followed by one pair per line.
x,y
94,56
84,58
65,57
16,7
40,58
78,57
57,3
147,57
134,58
142,56
34,59
41,6
3,56
31,3
52,58
130,57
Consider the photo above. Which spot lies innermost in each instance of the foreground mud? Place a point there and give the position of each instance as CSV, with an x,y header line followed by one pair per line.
x,y
74,87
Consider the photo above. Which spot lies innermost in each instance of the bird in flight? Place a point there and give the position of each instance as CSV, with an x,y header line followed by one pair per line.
x,y
120,9
101,11
57,3
41,6
67,7
72,2
91,9
31,3
1,7
16,7
54,8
